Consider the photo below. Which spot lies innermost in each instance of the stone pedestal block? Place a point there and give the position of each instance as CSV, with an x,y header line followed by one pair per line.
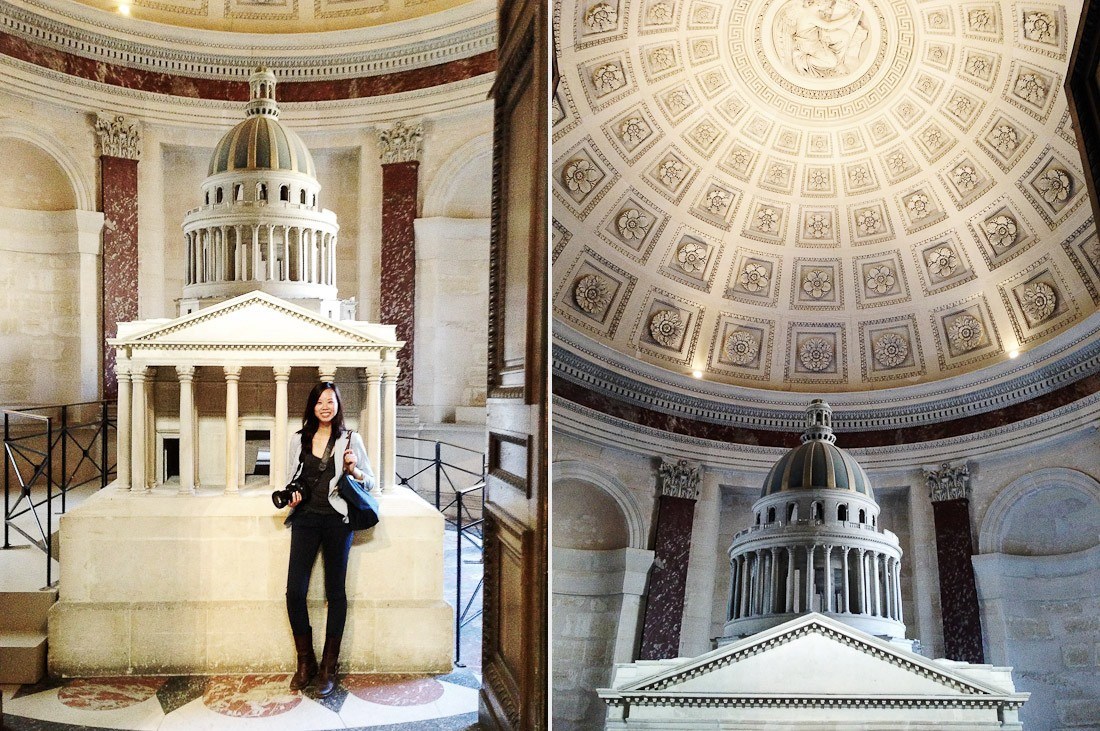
x,y
166,583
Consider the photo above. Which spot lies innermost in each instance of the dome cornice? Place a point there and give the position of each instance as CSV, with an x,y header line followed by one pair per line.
x,y
450,35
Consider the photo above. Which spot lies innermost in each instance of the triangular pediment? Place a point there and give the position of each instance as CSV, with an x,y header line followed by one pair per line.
x,y
254,319
812,655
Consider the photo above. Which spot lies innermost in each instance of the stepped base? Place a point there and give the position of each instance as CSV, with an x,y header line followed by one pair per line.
x,y
161,583
22,657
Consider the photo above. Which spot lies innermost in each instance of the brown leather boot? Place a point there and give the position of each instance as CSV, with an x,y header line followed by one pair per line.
x,y
307,661
326,678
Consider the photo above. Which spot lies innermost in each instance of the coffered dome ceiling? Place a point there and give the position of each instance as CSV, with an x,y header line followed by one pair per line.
x,y
814,196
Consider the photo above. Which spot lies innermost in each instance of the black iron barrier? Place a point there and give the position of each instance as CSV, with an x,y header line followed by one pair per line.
x,y
468,527
37,441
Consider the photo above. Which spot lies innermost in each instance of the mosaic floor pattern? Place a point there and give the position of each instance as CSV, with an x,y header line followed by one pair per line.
x,y
244,703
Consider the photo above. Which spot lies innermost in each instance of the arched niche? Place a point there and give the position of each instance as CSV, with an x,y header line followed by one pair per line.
x,y
44,160
587,518
463,185
573,476
1049,512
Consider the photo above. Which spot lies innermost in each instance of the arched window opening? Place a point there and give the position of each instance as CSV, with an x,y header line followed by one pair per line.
x,y
771,515
302,196
218,195
284,193
792,512
815,510
862,516
238,192
873,521
261,191
314,200
207,198
842,513
758,518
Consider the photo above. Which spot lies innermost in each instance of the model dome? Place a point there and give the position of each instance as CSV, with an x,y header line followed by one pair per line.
x,y
261,143
818,462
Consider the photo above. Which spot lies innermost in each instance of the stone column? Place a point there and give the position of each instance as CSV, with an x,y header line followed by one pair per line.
x,y
897,588
862,581
790,580
279,475
847,588
743,600
828,603
773,593
232,377
187,412
119,152
326,373
388,457
123,430
730,614
137,428
370,416
809,579
949,489
678,489
400,148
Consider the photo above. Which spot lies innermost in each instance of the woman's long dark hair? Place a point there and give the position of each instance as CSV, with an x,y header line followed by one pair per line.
x,y
310,422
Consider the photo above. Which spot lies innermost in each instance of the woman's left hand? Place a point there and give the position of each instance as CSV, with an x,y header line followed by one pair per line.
x,y
349,461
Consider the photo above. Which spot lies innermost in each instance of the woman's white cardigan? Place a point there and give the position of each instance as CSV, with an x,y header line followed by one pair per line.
x,y
362,462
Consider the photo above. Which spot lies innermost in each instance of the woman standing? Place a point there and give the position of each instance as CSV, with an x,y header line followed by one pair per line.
x,y
318,521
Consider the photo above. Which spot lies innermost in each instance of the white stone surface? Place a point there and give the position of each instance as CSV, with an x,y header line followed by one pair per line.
x,y
164,583
811,672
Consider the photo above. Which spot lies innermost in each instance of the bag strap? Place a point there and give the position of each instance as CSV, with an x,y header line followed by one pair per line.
x,y
328,451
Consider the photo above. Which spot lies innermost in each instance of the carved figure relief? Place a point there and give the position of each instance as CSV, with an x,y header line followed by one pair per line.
x,y
821,38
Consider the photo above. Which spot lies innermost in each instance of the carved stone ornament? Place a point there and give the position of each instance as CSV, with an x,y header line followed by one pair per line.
x,y
633,224
891,349
680,479
1041,27
942,262
666,327
741,347
880,279
608,78
965,332
816,283
1001,230
919,206
1031,88
592,294
1054,185
816,354
401,143
949,482
118,136
754,278
692,257
1005,139
1039,301
601,17
659,13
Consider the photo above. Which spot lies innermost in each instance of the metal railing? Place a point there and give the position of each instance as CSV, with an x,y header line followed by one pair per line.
x,y
52,449
464,490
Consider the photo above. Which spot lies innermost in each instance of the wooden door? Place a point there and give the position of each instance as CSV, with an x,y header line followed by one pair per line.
x,y
513,694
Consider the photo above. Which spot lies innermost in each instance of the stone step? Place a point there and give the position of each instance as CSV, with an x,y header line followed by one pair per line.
x,y
22,657
25,611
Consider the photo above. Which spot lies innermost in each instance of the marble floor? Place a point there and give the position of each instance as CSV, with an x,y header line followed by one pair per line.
x,y
244,703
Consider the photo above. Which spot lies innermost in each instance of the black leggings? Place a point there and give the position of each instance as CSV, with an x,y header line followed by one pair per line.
x,y
310,532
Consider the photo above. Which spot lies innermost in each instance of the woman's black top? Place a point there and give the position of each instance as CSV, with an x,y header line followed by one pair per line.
x,y
318,482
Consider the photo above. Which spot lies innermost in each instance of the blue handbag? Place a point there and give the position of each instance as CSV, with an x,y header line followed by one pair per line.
x,y
362,506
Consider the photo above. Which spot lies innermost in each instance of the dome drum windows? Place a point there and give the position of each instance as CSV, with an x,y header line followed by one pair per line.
x,y
261,253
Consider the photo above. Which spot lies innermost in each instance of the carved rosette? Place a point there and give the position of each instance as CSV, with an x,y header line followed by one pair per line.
x,y
401,143
679,478
592,294
666,327
1039,301
816,354
965,332
891,350
741,347
949,482
119,136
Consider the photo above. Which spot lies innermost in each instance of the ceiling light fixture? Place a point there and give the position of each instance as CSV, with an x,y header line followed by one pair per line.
x,y
1014,354
124,9
697,374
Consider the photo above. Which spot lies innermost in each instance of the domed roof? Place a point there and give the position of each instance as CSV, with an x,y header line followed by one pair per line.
x,y
261,142
817,463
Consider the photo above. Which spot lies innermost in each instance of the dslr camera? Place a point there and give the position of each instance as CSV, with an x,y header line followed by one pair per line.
x,y
282,498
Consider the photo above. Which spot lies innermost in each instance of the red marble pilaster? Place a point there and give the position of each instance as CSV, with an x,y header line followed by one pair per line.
x,y
962,624
120,255
398,275
664,612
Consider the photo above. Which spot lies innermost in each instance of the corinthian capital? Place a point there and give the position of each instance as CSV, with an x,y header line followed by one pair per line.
x,y
948,482
118,136
401,143
680,478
